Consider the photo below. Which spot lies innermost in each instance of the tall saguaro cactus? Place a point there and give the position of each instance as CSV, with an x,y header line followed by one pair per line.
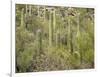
x,y
38,11
50,28
26,9
69,34
78,36
78,28
54,19
30,10
22,17
44,13
54,24
39,41
57,38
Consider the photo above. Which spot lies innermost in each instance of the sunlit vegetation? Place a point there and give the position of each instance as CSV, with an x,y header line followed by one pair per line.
x,y
50,38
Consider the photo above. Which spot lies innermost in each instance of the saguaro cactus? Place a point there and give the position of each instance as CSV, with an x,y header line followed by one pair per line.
x,y
54,19
57,38
70,37
78,31
69,34
38,11
71,15
44,13
71,42
22,17
50,28
78,36
30,10
26,9
39,41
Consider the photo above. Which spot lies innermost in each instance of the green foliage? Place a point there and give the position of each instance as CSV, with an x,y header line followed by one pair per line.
x,y
54,38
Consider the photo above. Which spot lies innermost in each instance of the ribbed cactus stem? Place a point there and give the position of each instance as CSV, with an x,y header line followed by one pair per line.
x,y
50,28
22,17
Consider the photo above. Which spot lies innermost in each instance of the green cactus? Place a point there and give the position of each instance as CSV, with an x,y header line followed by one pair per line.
x,y
22,17
44,13
38,8
78,31
57,38
30,10
26,9
54,24
69,34
39,41
50,28
78,37
54,19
